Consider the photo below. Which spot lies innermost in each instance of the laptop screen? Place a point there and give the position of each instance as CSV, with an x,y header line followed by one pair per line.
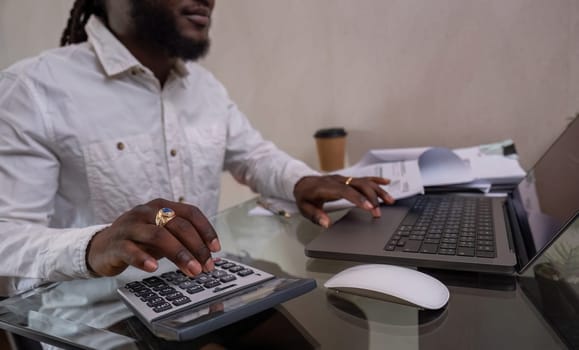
x,y
549,195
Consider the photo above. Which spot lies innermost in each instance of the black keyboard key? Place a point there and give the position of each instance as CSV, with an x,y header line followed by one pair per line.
x,y
410,218
443,251
412,246
447,246
485,254
485,248
390,247
429,248
462,251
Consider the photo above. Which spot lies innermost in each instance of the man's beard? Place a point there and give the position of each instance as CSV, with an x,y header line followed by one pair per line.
x,y
158,27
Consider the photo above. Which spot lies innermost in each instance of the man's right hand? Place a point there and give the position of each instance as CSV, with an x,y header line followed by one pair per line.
x,y
134,239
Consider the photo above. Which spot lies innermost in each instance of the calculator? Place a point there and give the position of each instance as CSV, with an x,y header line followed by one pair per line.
x,y
175,306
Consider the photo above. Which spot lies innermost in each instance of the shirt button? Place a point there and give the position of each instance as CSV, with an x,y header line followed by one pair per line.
x,y
181,199
173,152
120,146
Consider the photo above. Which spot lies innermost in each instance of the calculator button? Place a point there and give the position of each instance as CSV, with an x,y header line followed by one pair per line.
x,y
160,287
149,295
180,279
173,296
203,278
218,273
167,291
142,293
228,278
245,272
138,288
162,307
195,289
187,284
219,262
212,284
134,284
153,281
236,269
152,302
181,301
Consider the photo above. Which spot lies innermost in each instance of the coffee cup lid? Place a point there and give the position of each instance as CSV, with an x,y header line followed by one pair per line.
x,y
330,132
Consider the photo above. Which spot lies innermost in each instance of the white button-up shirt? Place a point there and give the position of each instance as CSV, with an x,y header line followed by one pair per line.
x,y
87,133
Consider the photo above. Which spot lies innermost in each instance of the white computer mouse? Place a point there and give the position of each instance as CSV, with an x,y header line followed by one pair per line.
x,y
391,283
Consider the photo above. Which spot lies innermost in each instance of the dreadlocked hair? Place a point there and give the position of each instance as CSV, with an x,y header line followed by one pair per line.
x,y
79,14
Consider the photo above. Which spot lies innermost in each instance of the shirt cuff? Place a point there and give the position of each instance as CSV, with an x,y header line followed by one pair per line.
x,y
298,170
66,256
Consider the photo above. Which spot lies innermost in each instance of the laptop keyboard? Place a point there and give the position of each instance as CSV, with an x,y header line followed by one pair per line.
x,y
447,225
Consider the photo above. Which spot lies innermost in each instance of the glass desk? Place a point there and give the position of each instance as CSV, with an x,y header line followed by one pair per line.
x,y
484,311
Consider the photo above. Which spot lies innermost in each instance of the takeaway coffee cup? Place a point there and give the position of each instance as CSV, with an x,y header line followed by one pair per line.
x,y
331,145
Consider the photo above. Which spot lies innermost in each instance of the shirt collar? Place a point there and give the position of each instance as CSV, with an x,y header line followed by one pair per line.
x,y
112,54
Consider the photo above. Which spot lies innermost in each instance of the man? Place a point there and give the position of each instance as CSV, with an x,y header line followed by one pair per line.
x,y
119,116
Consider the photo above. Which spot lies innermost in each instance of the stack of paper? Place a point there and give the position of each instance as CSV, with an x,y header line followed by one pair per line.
x,y
410,170
477,167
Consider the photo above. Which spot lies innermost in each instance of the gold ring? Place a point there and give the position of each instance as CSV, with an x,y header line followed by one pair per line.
x,y
348,180
164,215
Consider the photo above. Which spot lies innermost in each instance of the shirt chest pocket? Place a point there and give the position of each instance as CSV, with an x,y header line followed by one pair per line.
x,y
207,144
121,174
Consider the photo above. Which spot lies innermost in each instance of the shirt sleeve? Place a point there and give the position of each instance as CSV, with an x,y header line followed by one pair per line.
x,y
32,253
259,163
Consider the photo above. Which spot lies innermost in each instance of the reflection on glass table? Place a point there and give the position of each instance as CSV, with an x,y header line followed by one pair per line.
x,y
484,311
552,284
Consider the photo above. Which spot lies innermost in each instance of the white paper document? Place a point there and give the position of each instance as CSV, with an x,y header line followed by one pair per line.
x,y
411,169
468,167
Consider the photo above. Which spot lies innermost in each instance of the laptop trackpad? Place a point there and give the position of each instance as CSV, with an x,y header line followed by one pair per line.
x,y
359,233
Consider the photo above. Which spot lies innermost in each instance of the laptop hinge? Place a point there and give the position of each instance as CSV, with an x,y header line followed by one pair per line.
x,y
515,234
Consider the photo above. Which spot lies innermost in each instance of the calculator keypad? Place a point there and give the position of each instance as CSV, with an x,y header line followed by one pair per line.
x,y
174,290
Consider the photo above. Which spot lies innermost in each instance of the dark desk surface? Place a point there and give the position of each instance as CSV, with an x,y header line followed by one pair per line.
x,y
484,312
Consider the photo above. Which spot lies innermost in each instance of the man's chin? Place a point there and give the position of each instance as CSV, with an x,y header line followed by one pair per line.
x,y
189,50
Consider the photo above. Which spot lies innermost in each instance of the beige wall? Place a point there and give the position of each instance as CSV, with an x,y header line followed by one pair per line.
x,y
393,72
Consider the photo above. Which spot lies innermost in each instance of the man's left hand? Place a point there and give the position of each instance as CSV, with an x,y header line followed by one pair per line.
x,y
311,192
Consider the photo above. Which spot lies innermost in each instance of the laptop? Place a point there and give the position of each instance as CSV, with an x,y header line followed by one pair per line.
x,y
466,231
